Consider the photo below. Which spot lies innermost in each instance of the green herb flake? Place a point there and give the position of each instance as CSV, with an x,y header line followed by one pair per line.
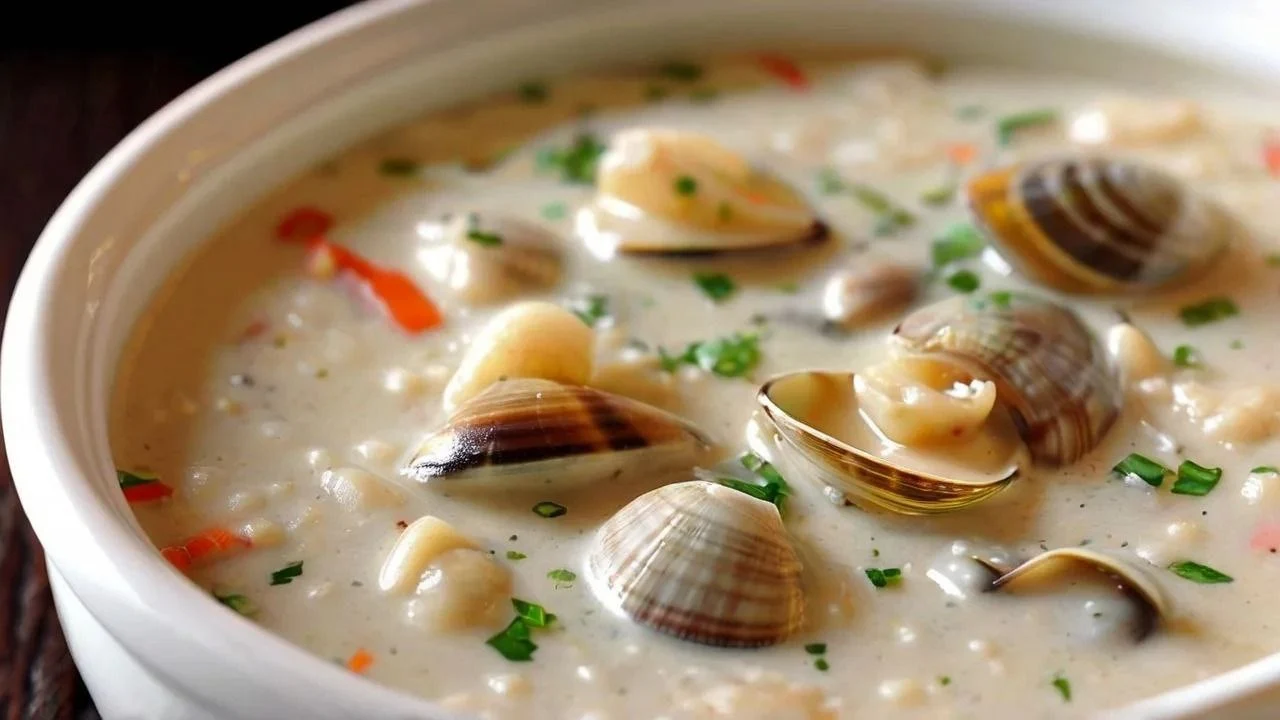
x,y
486,239
533,92
533,614
686,185
562,577
592,309
1010,125
1208,311
716,286
969,113
1186,356
884,578
829,182
964,281
1263,469
286,574
821,664
1148,470
940,195
1196,480
1063,686
724,211
774,488
681,70
548,509
889,217
815,648
513,642
554,211
237,602
1197,573
132,479
1273,260
734,356
576,163
958,242
1236,344
515,555
944,680
398,167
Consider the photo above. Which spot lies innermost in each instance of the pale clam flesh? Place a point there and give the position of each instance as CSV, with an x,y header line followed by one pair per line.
x,y
675,191
526,434
484,258
701,562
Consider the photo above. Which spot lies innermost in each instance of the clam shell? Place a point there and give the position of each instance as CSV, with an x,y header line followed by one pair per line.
x,y
528,433
1049,369
800,405
865,290
484,258
702,562
1099,225
675,191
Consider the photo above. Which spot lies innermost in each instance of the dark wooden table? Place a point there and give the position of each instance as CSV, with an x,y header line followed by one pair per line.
x,y
73,82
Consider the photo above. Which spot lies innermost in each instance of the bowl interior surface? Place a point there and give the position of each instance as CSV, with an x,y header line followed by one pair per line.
x,y
189,170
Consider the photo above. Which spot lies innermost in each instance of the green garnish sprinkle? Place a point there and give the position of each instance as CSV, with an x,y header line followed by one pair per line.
x,y
944,680
681,70
829,182
286,574
1236,344
1064,687
515,555
1266,469
1195,479
486,239
889,217
554,211
884,578
733,356
132,479
1010,125
774,488
686,185
1211,310
576,163
965,281
1186,356
533,614
534,91
716,286
971,112
513,642
398,167
960,241
940,195
815,648
237,602
548,509
822,664
1197,573
1148,470
592,309
1273,260
562,577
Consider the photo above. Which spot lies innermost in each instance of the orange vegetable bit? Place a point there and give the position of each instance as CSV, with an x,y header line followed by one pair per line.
x,y
304,224
253,330
207,545
1271,153
962,153
785,70
404,302
148,492
360,661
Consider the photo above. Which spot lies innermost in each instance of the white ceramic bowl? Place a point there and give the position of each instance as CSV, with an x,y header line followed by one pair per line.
x,y
152,645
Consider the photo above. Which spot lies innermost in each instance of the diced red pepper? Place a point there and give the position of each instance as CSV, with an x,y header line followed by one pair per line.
x,y
408,306
785,70
204,546
147,492
1271,153
304,225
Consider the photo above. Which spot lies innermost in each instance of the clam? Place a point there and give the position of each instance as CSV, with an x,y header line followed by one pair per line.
x,y
675,191
1098,225
702,562
1048,368
528,433
865,290
487,258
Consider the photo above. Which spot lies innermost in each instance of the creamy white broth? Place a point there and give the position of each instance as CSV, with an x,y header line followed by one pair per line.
x,y
244,425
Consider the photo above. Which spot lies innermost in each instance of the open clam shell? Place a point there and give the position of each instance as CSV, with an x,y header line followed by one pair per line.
x,y
701,562
1049,369
676,191
528,434
817,416
1099,225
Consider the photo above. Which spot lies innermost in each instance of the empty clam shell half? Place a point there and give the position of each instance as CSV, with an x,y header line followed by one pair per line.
x,y
676,191
1062,566
1049,369
1098,225
702,562
819,418
486,258
527,433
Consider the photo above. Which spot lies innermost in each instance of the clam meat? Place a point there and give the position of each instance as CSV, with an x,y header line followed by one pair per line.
x,y
526,434
701,562
866,290
675,191
487,258
1097,225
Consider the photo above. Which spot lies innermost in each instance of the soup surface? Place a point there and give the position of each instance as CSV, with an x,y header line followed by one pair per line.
x,y
270,413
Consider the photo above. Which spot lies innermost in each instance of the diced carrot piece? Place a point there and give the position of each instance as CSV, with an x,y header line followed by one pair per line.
x,y
205,545
785,70
254,329
962,153
147,492
304,224
360,661
1271,154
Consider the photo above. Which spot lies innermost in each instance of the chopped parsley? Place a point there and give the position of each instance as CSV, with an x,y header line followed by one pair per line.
x,y
398,167
944,680
562,577
1146,469
882,578
965,281
133,479
889,217
1194,479
486,239
960,241
774,488
1000,299
513,642
515,555
815,648
1266,469
576,163
716,286
1236,344
829,182
821,664
1207,311
532,614
1063,686
940,195
554,211
1197,573
1185,356
733,356
686,185
548,509
286,574
533,92
237,602
1010,125
592,309
681,70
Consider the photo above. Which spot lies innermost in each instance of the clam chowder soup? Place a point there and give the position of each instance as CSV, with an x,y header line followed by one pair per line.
x,y
761,387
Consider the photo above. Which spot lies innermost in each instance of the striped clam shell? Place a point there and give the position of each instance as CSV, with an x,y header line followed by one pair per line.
x,y
701,562
1049,369
529,433
1098,225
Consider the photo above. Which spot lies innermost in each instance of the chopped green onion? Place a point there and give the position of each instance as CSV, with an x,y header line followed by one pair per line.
x,y
1010,125
554,211
965,281
237,602
286,574
958,242
513,642
774,490
575,164
716,286
398,167
1266,469
884,578
822,664
1197,573
732,356
1186,356
829,182
940,195
1236,344
486,239
762,467
515,555
1064,687
944,680
548,509
815,648
533,614
890,217
132,479
592,309
1211,310
1194,479
534,91
686,185
561,576
681,70
1148,470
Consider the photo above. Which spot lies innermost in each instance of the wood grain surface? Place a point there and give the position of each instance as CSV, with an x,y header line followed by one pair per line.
x,y
70,89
